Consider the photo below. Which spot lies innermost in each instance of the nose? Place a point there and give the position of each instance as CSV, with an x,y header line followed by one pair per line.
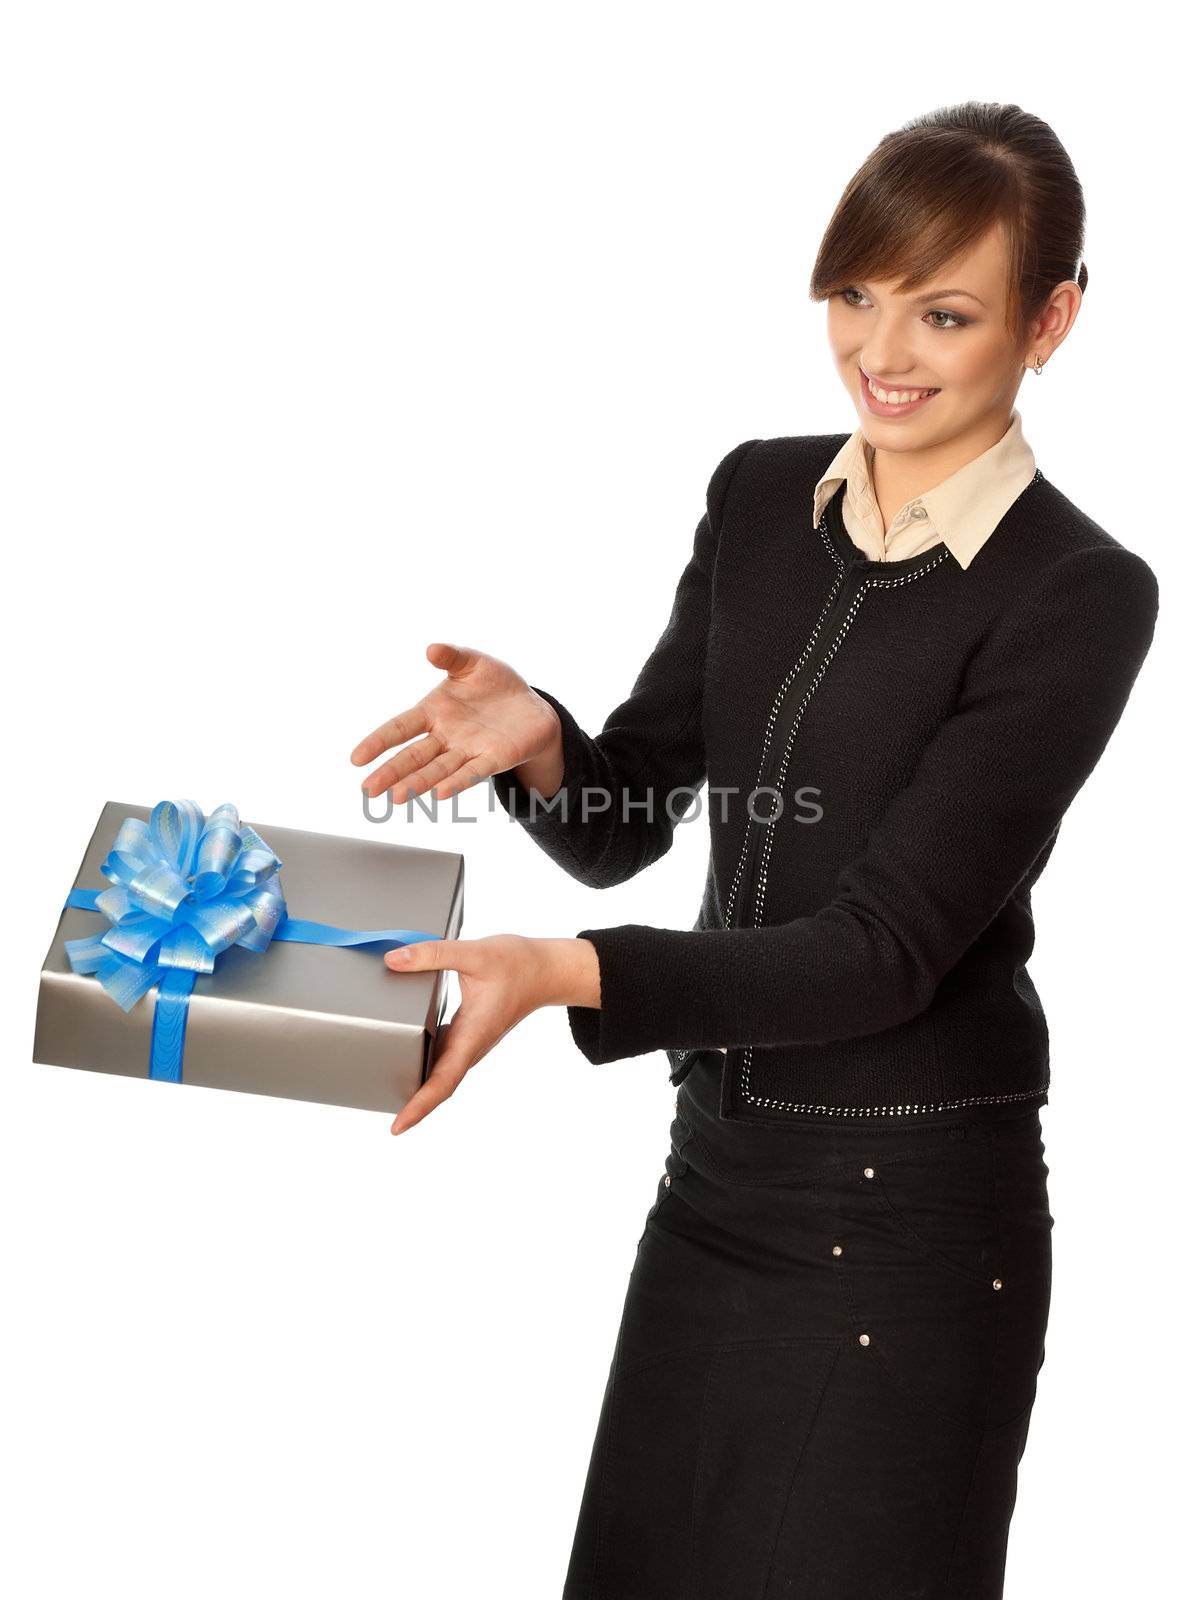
x,y
884,359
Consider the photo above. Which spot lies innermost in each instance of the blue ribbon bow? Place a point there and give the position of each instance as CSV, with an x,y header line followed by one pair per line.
x,y
185,889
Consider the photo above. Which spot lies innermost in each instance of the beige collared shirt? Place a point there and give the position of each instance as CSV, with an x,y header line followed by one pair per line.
x,y
962,511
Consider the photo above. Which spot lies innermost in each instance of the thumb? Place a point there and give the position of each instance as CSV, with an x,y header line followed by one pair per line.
x,y
429,955
452,658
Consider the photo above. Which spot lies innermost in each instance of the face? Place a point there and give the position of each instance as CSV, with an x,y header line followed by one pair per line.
x,y
955,344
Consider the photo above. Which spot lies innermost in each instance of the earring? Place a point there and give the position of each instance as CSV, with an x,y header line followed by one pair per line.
x,y
1037,365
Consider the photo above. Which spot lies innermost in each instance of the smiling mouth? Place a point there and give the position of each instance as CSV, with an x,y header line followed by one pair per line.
x,y
907,400
902,396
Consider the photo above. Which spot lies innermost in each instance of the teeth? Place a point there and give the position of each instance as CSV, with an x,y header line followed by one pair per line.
x,y
897,397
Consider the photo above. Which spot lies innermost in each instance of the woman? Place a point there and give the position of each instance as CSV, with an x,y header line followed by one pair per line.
x,y
894,656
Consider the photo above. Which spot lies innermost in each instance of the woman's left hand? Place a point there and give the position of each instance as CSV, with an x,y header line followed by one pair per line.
x,y
504,978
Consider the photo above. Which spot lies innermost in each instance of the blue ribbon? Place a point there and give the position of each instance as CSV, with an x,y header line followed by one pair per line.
x,y
185,888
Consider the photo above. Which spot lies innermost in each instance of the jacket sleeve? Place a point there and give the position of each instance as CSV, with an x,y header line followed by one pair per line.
x,y
1039,701
614,813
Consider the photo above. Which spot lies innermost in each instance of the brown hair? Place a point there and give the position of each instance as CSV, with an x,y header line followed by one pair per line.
x,y
938,184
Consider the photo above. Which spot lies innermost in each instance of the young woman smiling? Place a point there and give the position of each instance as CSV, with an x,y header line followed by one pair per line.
x,y
902,651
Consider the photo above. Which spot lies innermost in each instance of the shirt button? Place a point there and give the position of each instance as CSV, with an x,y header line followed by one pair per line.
x,y
918,511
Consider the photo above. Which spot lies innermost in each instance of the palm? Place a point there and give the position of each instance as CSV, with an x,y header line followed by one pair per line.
x,y
481,719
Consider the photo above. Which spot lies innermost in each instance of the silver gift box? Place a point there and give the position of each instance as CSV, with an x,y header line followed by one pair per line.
x,y
307,1022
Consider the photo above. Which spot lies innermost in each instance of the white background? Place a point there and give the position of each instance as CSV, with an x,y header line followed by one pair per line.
x,y
330,330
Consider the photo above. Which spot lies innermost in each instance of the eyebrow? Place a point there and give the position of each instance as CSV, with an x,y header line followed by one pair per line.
x,y
942,294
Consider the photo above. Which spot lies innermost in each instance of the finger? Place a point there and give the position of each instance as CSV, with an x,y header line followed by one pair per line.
x,y
449,1068
437,1087
401,766
452,658
395,731
426,776
474,771
431,955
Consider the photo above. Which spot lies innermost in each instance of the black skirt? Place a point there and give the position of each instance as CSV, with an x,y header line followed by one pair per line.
x,y
826,1362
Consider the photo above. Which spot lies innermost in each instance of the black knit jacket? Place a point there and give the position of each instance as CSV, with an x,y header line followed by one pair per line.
x,y
916,729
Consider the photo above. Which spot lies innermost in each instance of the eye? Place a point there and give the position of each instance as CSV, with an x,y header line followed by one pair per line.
x,y
955,320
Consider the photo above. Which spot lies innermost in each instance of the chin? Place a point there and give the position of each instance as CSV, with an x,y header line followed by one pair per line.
x,y
897,441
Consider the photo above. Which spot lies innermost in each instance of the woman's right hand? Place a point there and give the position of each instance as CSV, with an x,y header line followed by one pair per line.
x,y
482,719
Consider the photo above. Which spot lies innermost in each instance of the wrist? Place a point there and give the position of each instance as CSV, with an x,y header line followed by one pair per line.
x,y
543,771
573,973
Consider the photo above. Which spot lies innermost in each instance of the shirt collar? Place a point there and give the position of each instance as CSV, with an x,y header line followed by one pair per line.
x,y
962,511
